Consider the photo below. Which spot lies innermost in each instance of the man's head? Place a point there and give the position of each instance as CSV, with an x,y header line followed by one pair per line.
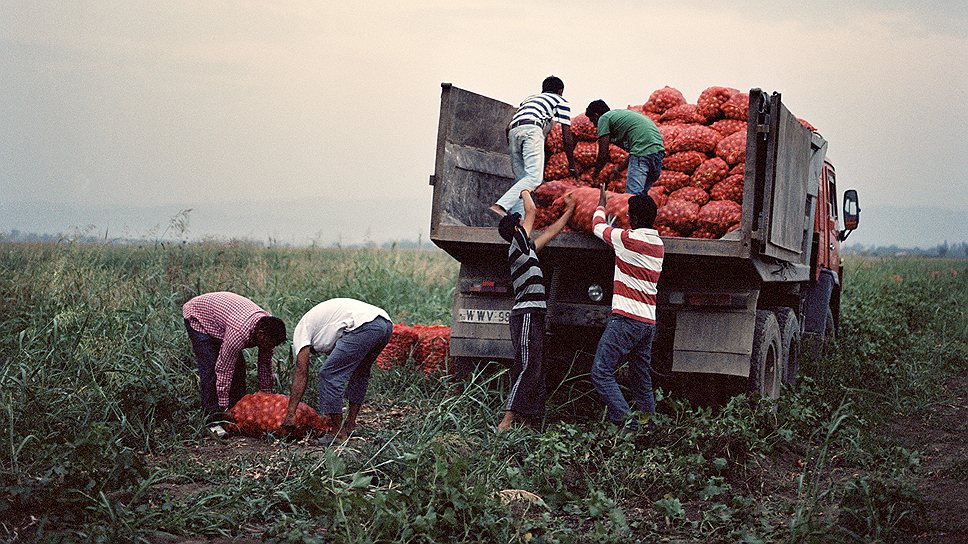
x,y
642,211
507,225
553,84
596,109
270,331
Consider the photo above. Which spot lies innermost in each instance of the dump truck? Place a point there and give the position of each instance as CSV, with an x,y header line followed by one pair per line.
x,y
743,306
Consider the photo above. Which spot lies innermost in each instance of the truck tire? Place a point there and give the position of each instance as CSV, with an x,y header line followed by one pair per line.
x,y
790,343
765,361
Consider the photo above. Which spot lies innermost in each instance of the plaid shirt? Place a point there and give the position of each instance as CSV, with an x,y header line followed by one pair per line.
x,y
230,318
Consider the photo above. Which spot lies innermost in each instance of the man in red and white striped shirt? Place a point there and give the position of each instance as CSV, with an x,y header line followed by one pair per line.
x,y
220,325
631,327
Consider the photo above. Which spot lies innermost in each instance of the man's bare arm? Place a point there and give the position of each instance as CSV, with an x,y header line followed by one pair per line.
x,y
555,228
299,378
602,156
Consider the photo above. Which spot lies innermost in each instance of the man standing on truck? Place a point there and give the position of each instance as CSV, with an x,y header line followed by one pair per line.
x,y
631,327
528,393
634,133
220,325
526,137
352,333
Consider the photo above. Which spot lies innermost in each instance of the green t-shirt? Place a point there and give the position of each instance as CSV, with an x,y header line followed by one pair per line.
x,y
631,131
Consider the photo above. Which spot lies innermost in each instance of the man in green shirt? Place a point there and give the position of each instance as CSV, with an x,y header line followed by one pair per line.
x,y
634,133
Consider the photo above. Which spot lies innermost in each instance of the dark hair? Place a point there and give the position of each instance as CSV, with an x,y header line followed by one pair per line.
x,y
642,211
508,224
273,328
552,84
596,107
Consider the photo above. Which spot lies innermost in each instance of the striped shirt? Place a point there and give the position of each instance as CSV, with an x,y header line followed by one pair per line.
x,y
544,108
231,319
526,275
638,263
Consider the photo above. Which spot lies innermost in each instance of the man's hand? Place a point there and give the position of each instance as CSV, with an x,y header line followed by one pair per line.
x,y
289,424
569,202
603,196
617,171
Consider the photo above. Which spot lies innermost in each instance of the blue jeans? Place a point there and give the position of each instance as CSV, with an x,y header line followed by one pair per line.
x,y
206,350
346,372
527,163
624,337
643,171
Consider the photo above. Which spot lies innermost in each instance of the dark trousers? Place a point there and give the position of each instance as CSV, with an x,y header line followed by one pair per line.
x,y
528,391
206,350
346,372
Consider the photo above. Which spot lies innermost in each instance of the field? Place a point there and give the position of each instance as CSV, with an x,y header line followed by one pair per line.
x,y
104,441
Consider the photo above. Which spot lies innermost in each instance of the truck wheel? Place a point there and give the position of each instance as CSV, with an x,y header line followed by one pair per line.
x,y
790,343
765,361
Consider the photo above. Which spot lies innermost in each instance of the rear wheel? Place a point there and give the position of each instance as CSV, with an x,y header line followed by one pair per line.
x,y
765,361
790,344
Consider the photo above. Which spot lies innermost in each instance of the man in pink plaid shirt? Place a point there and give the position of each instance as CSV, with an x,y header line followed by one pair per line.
x,y
220,325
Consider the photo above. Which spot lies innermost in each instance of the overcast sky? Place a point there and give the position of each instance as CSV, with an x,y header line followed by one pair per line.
x,y
187,104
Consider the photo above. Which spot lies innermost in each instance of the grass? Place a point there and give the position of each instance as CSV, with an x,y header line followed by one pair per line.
x,y
104,441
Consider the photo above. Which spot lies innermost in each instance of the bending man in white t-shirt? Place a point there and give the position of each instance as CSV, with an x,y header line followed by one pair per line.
x,y
351,333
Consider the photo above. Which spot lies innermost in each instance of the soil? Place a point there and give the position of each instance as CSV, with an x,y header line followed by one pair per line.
x,y
940,434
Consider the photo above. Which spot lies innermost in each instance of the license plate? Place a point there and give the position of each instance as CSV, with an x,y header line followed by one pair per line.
x,y
471,315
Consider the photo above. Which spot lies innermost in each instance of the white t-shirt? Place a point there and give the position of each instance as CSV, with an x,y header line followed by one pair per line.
x,y
327,321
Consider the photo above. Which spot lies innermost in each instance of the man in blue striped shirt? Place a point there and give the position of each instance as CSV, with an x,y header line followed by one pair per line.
x,y
526,136
528,393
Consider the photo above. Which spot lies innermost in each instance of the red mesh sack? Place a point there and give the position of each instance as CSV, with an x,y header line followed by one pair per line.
x,y
397,350
554,142
585,154
617,185
680,215
691,194
806,124
259,413
546,193
662,99
432,350
616,154
717,216
556,167
729,126
658,195
671,179
669,133
709,173
703,233
730,188
711,100
548,215
696,138
732,148
617,205
684,114
687,161
639,109
586,200
738,169
666,230
583,129
737,107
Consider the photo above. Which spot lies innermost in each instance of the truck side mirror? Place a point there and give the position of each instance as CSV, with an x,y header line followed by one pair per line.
x,y
851,210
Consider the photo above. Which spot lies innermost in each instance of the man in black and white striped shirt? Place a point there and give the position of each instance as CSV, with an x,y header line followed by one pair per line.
x,y
526,138
527,398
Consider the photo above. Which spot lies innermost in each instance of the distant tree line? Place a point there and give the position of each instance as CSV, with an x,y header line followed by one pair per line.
x,y
944,249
